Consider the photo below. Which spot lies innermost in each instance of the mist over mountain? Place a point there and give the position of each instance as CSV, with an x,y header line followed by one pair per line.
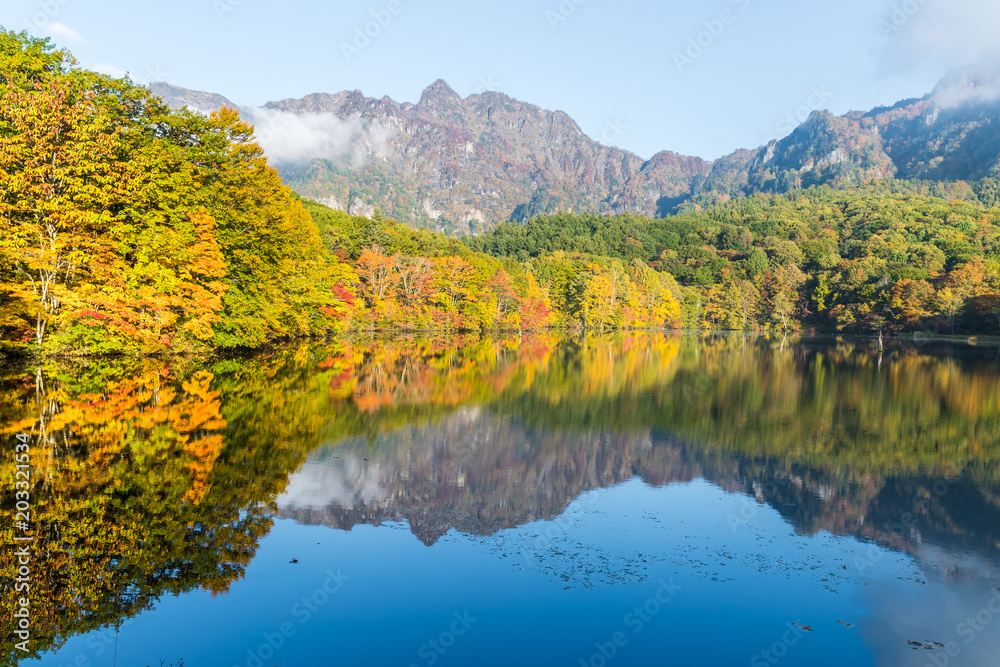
x,y
461,165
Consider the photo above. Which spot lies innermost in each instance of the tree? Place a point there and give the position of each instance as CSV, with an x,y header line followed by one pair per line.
x,y
535,309
961,285
987,307
504,298
416,276
58,178
912,301
783,287
453,278
787,253
655,296
723,306
757,263
280,277
378,275
130,228
748,303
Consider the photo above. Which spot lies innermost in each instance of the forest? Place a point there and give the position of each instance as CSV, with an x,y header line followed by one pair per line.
x,y
129,228
855,261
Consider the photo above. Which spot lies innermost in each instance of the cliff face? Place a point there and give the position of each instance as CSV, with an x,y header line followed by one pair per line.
x,y
455,163
951,134
825,149
460,165
452,163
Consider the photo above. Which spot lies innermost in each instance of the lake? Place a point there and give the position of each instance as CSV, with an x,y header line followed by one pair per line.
x,y
641,499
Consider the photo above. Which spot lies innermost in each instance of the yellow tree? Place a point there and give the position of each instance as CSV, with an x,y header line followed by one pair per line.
x,y
723,307
453,277
748,302
655,296
58,173
912,301
600,298
959,286
784,293
280,280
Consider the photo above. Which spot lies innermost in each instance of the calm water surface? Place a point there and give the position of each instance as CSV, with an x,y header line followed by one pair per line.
x,y
627,500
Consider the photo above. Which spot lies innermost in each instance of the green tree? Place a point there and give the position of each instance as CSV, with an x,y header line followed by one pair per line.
x,y
757,263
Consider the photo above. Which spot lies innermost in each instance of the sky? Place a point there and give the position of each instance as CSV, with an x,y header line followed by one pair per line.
x,y
695,77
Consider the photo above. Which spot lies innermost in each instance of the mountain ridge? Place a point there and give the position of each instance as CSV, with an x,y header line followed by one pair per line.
x,y
460,164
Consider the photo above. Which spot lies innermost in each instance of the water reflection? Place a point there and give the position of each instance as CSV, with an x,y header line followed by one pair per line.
x,y
162,476
477,472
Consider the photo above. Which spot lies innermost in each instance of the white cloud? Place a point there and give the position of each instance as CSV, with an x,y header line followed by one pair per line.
x,y
932,37
290,138
60,31
951,33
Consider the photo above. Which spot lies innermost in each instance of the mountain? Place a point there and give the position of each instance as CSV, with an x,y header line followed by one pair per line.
x,y
951,134
455,163
177,97
461,164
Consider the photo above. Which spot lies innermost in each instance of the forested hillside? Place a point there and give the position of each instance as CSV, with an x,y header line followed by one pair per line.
x,y
409,279
858,261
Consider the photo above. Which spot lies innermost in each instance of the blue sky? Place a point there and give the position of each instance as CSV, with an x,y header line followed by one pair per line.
x,y
699,78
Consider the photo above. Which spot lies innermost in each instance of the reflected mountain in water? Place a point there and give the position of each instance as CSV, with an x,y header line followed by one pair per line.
x,y
478,472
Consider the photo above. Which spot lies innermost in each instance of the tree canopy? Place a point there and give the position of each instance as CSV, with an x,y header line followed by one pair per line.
x,y
852,261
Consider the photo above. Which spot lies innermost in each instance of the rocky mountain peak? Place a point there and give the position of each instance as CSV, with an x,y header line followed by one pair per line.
x,y
439,91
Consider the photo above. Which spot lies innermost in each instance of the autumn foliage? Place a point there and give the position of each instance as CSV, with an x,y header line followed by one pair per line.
x,y
128,228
